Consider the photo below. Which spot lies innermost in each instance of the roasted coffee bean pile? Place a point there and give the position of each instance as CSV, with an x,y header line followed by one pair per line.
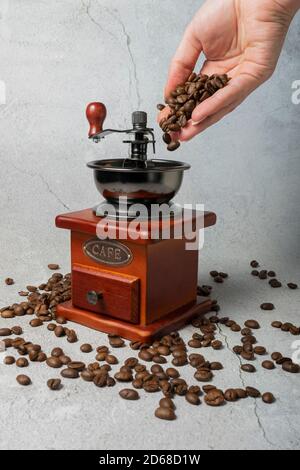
x,y
156,367
42,300
183,101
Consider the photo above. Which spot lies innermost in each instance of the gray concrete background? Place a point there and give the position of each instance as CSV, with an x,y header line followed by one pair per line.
x,y
55,58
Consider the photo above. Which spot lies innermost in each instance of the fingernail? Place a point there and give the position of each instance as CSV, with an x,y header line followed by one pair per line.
x,y
195,123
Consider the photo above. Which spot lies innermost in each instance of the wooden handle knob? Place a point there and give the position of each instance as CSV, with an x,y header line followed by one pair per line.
x,y
96,114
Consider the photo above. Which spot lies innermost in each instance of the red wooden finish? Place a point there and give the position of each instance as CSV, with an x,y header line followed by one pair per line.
x,y
96,114
86,221
119,293
173,321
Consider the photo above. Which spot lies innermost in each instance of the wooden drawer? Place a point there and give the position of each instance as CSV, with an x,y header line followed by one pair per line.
x,y
106,293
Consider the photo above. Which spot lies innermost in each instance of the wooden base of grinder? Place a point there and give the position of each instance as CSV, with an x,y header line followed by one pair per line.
x,y
171,322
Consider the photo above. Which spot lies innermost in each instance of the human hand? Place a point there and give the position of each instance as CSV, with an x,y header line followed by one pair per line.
x,y
242,38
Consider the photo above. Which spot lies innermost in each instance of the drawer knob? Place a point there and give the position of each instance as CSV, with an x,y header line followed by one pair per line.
x,y
93,297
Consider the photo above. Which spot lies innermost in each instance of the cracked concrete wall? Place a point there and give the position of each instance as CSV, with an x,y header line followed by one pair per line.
x,y
57,56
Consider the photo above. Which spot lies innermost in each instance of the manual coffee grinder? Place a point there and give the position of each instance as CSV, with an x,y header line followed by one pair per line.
x,y
138,283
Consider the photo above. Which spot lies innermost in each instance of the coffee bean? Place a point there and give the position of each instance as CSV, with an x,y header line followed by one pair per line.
x,y
216,366
86,348
268,365
235,327
276,324
129,394
167,403
60,331
54,384
56,352
167,138
61,320
194,343
172,373
253,324
110,359
214,397
77,365
160,107
9,281
123,376
248,368
22,362
16,330
218,279
51,326
8,360
214,273
137,383
23,380
231,395
5,332
263,274
237,349
54,362
100,380
292,285
254,264
53,266
276,355
35,322
216,344
33,355
247,355
289,366
254,272
87,375
192,398
241,393
208,388
267,306
203,375
275,283
268,397
165,413
250,339
145,355
69,373
252,392
116,342
174,145
7,313
65,359
180,361
260,350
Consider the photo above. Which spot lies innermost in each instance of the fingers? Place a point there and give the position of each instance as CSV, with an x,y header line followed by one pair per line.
x,y
184,61
235,92
191,130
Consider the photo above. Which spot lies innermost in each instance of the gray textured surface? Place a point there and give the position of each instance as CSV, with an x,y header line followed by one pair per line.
x,y
56,57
